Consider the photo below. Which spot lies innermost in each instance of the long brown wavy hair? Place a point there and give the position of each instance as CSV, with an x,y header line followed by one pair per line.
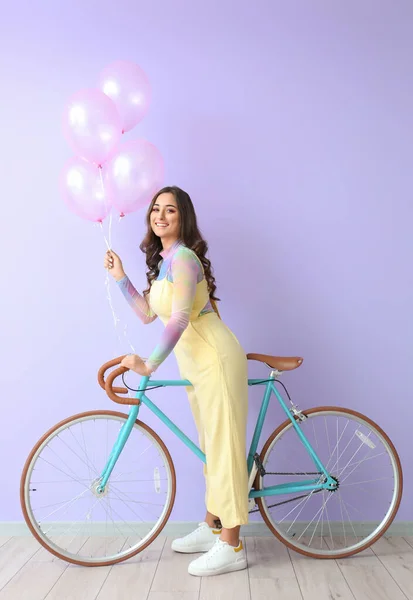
x,y
190,236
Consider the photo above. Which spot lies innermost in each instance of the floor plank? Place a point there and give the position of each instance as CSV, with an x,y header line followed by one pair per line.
x,y
172,572
83,583
230,586
14,554
173,596
320,579
367,577
409,540
133,578
37,577
397,556
4,539
270,570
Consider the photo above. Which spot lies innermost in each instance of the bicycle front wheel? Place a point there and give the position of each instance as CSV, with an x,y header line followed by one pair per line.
x,y
366,466
63,506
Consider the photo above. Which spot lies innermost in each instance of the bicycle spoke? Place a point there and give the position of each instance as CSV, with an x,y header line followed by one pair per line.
x,y
338,456
113,490
68,503
315,516
366,481
121,518
355,454
343,451
343,479
142,502
52,505
111,516
302,508
76,454
91,465
349,520
328,437
340,496
342,520
141,454
322,524
60,481
315,527
64,472
293,509
361,461
329,526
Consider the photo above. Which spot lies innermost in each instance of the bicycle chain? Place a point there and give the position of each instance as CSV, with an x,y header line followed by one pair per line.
x,y
263,472
291,499
284,502
307,473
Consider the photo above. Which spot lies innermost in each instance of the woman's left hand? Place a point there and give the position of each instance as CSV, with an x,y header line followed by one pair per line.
x,y
135,363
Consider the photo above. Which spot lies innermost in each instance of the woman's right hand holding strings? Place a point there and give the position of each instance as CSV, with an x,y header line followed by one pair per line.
x,y
113,263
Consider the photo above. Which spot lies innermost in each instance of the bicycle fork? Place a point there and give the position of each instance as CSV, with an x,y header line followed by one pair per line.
x,y
122,438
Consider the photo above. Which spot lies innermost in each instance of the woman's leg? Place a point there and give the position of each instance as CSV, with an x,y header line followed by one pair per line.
x,y
231,536
196,413
220,407
227,535
223,402
213,520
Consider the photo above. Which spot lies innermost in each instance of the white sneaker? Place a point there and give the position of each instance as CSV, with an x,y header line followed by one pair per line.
x,y
222,558
200,540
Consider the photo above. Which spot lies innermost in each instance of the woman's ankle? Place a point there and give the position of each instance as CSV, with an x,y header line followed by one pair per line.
x,y
231,536
213,521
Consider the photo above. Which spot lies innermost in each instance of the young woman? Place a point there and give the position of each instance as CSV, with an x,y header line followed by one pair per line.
x,y
181,291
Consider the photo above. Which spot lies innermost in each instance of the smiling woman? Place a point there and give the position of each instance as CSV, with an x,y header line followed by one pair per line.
x,y
181,291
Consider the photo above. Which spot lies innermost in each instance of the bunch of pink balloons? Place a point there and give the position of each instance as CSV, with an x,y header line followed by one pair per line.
x,y
105,172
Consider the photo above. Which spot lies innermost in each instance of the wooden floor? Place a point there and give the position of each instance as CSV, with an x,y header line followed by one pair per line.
x,y
385,572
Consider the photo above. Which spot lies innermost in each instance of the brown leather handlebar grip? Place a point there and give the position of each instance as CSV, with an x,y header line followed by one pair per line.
x,y
104,368
107,385
110,391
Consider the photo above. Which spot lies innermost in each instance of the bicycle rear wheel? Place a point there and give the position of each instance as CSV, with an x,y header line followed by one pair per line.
x,y
59,489
362,458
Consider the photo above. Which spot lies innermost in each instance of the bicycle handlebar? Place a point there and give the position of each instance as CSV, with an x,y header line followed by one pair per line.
x,y
107,385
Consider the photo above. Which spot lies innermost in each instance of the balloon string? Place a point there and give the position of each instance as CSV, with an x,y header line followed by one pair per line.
x,y
108,242
105,238
115,317
110,230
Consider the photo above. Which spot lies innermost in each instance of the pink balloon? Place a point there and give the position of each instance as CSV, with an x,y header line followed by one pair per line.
x,y
134,175
128,86
84,189
92,125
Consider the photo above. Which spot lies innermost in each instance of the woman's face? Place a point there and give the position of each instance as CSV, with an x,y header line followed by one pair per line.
x,y
165,221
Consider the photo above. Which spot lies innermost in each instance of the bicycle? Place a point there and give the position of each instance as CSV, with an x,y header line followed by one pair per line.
x,y
99,486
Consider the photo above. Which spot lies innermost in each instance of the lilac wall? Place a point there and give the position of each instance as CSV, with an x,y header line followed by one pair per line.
x,y
291,125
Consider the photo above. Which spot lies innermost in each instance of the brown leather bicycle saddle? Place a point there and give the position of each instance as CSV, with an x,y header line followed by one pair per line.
x,y
281,363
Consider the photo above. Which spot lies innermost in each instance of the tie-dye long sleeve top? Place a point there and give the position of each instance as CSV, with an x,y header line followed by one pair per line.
x,y
182,268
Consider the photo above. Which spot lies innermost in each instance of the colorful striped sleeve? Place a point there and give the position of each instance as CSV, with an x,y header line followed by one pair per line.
x,y
138,302
185,272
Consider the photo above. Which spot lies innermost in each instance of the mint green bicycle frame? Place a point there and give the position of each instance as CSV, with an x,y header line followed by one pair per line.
x,y
323,481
